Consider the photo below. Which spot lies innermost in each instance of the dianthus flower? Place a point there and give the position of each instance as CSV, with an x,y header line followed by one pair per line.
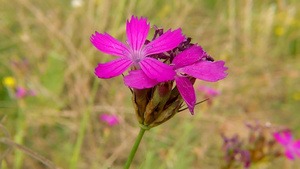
x,y
135,54
21,92
155,66
292,148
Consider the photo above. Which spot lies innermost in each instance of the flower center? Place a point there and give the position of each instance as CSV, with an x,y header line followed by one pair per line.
x,y
137,56
180,74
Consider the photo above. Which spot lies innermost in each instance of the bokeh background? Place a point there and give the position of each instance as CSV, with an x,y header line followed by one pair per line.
x,y
45,47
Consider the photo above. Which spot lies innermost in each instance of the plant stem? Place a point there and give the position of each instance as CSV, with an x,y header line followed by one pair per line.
x,y
83,126
21,120
29,152
134,148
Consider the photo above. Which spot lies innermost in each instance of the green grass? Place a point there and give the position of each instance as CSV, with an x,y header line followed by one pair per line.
x,y
259,40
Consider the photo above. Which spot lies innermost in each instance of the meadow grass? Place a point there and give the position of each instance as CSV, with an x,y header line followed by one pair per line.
x,y
259,40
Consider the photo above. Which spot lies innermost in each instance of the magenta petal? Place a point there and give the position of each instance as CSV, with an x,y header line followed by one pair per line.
x,y
297,153
296,144
112,68
281,140
139,80
137,32
296,147
107,44
288,136
206,70
186,90
169,40
157,70
289,154
189,56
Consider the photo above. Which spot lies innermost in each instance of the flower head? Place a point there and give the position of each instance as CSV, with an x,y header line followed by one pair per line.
x,y
134,54
292,148
156,66
209,91
109,119
234,151
21,92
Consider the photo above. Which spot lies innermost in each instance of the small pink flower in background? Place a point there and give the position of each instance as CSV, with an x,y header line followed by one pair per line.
x,y
110,119
292,148
209,91
21,92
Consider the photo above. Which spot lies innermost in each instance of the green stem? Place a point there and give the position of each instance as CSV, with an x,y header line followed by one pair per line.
x,y
83,125
19,157
134,148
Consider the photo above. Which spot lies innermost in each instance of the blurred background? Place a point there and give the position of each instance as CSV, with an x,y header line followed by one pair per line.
x,y
50,99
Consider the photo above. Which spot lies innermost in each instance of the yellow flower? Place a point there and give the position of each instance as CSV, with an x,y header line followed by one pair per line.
x,y
279,31
296,96
9,81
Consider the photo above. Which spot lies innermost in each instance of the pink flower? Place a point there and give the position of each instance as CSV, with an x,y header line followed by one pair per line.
x,y
135,54
110,119
191,63
21,92
291,147
209,91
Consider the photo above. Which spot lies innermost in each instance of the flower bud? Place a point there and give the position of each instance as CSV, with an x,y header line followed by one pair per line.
x,y
156,105
160,96
140,99
167,113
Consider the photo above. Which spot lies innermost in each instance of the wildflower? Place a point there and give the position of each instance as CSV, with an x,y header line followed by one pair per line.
x,y
209,91
190,64
110,119
296,96
234,151
9,81
21,92
135,54
291,147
